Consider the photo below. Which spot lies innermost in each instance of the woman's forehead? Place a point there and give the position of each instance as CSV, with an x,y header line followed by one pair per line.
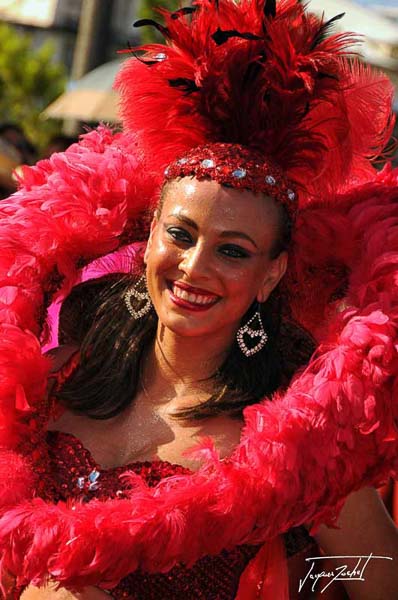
x,y
209,201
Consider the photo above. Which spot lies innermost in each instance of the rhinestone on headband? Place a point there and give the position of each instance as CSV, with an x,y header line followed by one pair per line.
x,y
291,195
207,163
224,162
239,173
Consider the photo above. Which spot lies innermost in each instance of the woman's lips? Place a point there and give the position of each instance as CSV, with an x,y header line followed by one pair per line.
x,y
190,297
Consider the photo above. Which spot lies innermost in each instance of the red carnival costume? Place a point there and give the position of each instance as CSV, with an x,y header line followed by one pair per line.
x,y
269,78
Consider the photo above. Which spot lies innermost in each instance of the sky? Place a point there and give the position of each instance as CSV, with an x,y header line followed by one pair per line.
x,y
389,3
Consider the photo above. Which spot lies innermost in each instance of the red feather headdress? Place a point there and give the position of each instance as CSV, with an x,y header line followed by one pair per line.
x,y
266,76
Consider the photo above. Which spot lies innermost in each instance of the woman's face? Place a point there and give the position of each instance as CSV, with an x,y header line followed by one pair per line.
x,y
208,256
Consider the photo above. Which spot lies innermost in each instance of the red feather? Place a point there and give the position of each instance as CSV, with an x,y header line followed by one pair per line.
x,y
289,91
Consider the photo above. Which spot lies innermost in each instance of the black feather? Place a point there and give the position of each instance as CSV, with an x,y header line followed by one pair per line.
x,y
327,76
252,72
270,8
220,36
187,85
151,23
324,30
187,10
138,57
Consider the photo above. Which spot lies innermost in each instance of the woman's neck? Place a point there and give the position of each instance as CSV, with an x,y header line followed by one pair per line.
x,y
181,365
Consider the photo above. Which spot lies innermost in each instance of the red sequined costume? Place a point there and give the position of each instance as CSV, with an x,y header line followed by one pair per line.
x,y
72,473
211,578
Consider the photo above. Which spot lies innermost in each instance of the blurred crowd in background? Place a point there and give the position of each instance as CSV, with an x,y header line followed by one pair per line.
x,y
16,150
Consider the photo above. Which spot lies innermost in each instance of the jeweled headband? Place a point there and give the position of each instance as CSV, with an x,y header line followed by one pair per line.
x,y
238,167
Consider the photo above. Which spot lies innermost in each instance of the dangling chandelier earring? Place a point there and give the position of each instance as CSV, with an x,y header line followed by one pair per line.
x,y
253,329
143,296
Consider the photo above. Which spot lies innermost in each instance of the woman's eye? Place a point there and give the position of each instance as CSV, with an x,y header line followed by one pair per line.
x,y
233,251
178,234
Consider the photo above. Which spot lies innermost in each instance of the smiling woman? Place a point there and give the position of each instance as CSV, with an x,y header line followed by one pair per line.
x,y
232,376
210,259
214,254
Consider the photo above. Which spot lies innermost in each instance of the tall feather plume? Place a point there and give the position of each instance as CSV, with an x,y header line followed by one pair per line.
x,y
265,74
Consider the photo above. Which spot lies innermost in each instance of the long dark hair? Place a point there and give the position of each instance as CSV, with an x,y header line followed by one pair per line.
x,y
113,344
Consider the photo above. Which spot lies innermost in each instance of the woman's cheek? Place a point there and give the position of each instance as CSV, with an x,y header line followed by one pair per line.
x,y
242,287
162,255
239,279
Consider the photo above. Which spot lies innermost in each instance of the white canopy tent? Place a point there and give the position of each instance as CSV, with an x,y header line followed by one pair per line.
x,y
90,98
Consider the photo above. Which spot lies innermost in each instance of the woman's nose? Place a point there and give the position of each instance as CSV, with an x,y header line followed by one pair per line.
x,y
195,262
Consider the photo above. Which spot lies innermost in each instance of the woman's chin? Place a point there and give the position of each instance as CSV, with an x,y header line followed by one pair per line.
x,y
189,330
192,325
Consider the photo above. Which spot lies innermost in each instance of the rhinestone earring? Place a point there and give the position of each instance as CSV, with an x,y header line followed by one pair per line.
x,y
253,329
134,292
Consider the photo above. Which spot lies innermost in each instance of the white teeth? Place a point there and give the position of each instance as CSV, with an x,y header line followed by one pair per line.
x,y
193,298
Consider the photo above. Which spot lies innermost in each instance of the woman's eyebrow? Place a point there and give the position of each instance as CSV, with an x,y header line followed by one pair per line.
x,y
185,220
223,234
239,234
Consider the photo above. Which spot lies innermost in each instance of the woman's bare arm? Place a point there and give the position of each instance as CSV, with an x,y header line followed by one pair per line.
x,y
365,528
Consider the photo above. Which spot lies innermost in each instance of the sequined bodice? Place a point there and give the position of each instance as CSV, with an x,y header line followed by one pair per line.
x,y
75,474
72,473
79,476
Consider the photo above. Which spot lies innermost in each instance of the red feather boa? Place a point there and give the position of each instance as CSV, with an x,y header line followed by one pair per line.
x,y
333,431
